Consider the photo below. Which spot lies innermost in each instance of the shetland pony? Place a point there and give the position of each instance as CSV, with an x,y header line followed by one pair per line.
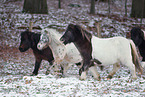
x,y
64,55
109,51
138,37
30,40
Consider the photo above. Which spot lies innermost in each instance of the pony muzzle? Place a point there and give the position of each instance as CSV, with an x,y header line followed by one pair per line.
x,y
39,47
21,48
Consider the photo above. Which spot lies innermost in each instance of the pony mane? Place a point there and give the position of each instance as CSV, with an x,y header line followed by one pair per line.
x,y
84,32
53,34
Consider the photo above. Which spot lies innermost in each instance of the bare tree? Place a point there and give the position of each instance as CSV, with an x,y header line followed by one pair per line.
x,y
138,8
59,3
35,6
92,8
143,9
125,7
109,7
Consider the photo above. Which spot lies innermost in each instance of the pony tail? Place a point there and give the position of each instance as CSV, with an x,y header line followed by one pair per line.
x,y
135,56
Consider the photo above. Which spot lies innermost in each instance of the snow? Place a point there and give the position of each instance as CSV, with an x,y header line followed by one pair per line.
x,y
16,67
52,86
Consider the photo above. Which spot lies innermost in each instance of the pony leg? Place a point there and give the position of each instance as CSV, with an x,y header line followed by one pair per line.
x,y
56,68
83,71
131,66
143,64
48,69
83,75
93,70
115,69
37,66
65,68
85,67
53,67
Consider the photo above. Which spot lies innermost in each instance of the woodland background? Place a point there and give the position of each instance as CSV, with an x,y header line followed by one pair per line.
x,y
16,67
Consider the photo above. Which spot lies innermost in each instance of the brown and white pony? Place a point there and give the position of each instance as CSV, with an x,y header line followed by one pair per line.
x,y
108,51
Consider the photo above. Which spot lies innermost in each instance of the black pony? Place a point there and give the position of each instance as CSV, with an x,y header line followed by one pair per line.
x,y
30,40
137,35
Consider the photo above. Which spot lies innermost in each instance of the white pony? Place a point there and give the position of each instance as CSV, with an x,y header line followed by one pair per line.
x,y
115,50
108,51
63,55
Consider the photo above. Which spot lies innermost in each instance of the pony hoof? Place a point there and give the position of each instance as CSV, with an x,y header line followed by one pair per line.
x,y
109,77
99,78
140,73
62,76
82,79
83,76
47,72
134,78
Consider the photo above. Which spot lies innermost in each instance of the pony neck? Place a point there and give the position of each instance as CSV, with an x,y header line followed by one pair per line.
x,y
58,49
85,48
34,40
142,44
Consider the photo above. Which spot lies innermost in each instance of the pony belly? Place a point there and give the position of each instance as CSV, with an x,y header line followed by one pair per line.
x,y
106,60
73,59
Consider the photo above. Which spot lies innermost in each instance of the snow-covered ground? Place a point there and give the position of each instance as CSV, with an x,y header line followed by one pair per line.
x,y
49,86
16,67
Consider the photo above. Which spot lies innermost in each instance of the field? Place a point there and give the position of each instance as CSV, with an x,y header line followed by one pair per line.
x,y
16,67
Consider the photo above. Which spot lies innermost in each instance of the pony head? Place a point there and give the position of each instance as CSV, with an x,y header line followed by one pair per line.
x,y
74,33
44,40
69,35
137,35
26,41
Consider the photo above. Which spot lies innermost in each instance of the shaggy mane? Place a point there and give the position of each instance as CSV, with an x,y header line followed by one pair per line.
x,y
85,32
51,32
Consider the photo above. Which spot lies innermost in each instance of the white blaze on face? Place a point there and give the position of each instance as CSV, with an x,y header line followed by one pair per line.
x,y
40,46
44,40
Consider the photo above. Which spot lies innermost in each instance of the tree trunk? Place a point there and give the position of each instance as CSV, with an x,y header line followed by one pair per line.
x,y
125,7
138,8
35,6
108,7
92,9
59,3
